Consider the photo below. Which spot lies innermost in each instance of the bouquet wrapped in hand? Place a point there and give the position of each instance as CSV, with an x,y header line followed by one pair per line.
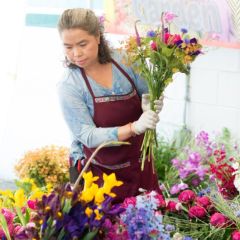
x,y
157,57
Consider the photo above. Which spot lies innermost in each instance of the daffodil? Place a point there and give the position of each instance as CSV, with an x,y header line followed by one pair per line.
x,y
88,194
19,198
89,179
110,181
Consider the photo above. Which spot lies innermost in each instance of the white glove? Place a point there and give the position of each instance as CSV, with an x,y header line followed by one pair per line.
x,y
158,104
148,120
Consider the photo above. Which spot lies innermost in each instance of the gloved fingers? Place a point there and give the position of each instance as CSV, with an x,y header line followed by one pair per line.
x,y
158,104
145,102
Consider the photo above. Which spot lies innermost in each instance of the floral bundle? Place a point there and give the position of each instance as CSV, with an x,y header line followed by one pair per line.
x,y
65,213
48,164
157,57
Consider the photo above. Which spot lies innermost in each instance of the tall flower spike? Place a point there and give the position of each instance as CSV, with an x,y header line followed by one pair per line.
x,y
138,39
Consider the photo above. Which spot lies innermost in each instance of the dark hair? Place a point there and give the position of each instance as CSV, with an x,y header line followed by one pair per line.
x,y
86,20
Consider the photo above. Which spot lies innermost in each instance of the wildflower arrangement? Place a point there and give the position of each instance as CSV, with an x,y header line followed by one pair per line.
x,y
157,57
74,214
16,207
48,164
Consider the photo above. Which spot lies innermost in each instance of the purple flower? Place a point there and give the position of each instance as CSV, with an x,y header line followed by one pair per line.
x,y
184,30
177,188
194,158
151,33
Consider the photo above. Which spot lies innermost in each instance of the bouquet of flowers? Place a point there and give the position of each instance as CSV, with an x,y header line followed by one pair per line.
x,y
156,57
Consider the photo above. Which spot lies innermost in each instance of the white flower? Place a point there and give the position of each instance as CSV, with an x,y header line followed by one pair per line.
x,y
177,236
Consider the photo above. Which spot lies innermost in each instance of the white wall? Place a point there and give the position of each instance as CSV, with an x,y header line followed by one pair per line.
x,y
214,95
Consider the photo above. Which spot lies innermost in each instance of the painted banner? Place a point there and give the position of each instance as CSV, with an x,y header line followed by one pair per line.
x,y
216,22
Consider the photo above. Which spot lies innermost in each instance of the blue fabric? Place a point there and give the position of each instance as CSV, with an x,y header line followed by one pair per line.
x,y
77,106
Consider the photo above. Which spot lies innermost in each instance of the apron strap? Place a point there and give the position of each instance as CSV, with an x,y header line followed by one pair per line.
x,y
119,68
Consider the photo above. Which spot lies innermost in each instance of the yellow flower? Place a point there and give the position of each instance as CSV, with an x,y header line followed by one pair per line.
x,y
88,194
110,181
99,197
175,70
8,193
37,194
98,215
88,211
20,198
89,179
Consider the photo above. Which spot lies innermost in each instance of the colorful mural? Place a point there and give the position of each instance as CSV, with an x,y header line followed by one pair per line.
x,y
214,21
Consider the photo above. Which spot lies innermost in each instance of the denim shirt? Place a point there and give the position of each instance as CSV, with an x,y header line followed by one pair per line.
x,y
78,109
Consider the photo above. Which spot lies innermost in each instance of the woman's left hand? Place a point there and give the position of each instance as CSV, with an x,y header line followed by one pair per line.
x,y
158,104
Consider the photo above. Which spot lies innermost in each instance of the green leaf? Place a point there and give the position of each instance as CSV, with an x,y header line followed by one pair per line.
x,y
20,215
90,235
4,226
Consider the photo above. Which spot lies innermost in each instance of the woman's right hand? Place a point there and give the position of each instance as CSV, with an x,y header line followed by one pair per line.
x,y
148,120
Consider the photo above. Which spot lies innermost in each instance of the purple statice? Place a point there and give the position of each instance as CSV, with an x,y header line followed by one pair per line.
x,y
151,33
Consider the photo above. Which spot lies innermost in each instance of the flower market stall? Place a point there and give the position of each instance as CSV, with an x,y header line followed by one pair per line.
x,y
199,175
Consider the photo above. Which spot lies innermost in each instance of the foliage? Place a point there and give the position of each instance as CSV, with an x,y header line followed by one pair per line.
x,y
165,151
48,164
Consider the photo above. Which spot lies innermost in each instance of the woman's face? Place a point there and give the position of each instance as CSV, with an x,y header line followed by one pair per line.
x,y
80,47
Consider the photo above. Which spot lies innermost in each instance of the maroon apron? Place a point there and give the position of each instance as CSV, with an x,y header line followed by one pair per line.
x,y
124,161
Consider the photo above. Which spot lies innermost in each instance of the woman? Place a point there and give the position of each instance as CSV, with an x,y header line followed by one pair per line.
x,y
101,101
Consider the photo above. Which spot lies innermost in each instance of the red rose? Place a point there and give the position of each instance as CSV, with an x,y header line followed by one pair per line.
x,y
186,196
236,235
197,212
204,202
218,220
128,201
171,206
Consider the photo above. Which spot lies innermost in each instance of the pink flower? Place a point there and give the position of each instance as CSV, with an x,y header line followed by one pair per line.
x,y
197,212
8,215
204,202
236,235
32,204
153,45
128,201
10,229
171,206
169,16
218,220
160,200
171,39
186,196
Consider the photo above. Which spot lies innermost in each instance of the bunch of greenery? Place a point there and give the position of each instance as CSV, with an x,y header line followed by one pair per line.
x,y
48,164
166,150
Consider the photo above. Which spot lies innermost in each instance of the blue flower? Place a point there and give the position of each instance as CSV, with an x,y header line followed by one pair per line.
x,y
151,33
184,30
187,238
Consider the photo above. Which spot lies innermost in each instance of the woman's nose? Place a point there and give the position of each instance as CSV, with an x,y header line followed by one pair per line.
x,y
77,52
